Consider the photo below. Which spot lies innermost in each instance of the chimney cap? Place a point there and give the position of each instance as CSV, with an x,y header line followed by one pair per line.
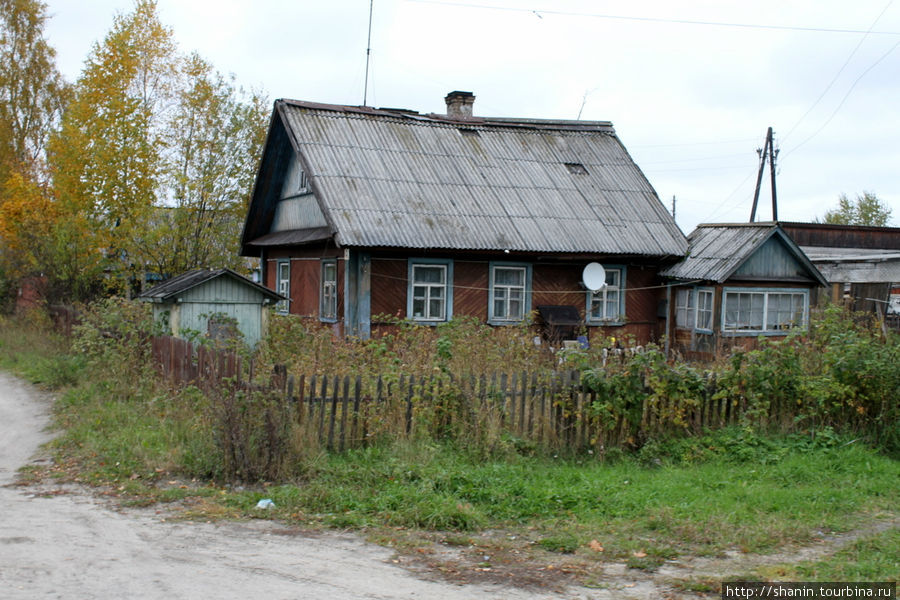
x,y
459,94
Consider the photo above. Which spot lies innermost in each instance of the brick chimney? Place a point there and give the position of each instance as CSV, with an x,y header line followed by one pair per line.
x,y
459,105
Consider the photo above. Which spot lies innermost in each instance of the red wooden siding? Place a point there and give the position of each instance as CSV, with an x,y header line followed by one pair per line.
x,y
470,296
389,287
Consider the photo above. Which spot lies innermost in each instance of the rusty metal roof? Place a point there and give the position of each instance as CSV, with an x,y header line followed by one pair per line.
x,y
717,250
171,288
393,178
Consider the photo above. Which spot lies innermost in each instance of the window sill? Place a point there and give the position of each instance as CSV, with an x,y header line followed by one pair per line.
x,y
605,323
496,323
429,323
767,333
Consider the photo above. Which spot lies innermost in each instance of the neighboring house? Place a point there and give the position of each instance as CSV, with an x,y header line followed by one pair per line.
x,y
861,263
360,212
739,281
212,303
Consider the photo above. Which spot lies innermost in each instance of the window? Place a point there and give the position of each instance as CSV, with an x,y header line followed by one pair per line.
x,y
607,305
430,293
684,308
694,308
283,283
509,297
764,311
328,291
704,309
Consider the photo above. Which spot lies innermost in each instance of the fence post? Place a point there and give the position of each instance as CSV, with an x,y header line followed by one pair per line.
x,y
344,402
322,408
333,418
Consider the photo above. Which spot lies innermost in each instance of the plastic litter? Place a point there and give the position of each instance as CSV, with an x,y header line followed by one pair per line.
x,y
265,503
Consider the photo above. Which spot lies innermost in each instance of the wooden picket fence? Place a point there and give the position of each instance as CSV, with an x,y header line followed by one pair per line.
x,y
555,410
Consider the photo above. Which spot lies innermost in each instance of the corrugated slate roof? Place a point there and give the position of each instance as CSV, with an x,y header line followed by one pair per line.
x,y
717,250
387,178
181,283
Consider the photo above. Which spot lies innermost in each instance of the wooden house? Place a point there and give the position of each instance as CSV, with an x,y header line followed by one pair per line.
x,y
212,303
860,262
738,282
360,212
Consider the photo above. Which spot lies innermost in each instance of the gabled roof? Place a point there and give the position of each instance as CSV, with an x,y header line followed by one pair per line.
x,y
718,251
396,178
171,288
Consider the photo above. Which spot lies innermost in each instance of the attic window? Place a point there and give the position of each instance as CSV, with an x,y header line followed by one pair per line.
x,y
576,169
470,132
302,183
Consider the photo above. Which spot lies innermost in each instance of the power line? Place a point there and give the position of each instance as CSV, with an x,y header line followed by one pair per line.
x,y
838,74
539,12
721,143
844,99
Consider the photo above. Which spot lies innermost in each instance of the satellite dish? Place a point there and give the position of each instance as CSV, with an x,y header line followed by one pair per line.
x,y
594,277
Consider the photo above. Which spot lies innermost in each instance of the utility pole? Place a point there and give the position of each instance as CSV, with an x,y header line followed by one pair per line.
x,y
673,206
768,152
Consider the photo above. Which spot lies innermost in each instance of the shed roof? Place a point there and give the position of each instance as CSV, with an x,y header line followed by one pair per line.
x,y
856,265
171,288
717,250
395,178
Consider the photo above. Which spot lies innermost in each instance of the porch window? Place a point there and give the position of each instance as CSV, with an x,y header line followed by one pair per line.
x,y
753,310
509,294
607,306
694,308
684,308
283,284
705,309
430,293
328,291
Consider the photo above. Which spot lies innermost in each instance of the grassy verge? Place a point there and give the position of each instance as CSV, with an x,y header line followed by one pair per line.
x,y
870,558
728,490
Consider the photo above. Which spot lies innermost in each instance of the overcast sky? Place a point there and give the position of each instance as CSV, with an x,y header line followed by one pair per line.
x,y
690,87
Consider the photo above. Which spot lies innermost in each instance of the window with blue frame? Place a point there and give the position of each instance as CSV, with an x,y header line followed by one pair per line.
x,y
328,291
764,311
430,291
283,283
607,305
509,293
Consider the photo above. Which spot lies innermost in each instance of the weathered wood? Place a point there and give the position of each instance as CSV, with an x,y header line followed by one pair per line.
x,y
301,385
334,404
344,401
321,403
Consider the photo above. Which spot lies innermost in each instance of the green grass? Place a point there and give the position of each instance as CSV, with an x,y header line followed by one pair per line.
x,y
870,558
664,512
37,355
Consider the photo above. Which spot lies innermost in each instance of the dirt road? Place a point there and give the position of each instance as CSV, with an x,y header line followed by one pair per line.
x,y
76,546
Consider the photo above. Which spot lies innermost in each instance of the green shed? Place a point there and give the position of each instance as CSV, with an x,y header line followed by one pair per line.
x,y
212,303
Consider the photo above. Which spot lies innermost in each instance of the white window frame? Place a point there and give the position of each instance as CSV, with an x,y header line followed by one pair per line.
x,y
602,298
328,291
764,295
706,308
283,284
694,306
685,309
493,289
428,288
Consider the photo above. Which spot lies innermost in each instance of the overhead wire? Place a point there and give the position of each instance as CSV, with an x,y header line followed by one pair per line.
x,y
838,74
455,286
539,12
